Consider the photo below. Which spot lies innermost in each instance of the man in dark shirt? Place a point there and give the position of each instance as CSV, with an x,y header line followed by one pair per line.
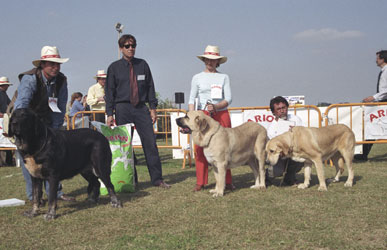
x,y
129,85
5,155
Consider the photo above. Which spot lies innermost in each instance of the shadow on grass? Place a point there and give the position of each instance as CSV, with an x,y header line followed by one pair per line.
x,y
378,158
247,180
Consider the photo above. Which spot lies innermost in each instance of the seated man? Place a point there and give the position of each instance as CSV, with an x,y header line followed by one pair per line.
x,y
282,123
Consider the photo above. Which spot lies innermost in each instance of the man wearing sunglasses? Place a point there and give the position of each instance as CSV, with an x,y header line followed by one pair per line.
x,y
129,86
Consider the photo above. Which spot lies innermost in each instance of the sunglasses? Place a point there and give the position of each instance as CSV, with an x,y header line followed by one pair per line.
x,y
127,46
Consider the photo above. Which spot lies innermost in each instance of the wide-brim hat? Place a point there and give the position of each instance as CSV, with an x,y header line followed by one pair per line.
x,y
212,52
100,74
50,54
4,81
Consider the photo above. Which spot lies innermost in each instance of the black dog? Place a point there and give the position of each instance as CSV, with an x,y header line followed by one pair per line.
x,y
55,155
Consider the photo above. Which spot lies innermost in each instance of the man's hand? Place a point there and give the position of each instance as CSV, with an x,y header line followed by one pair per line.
x,y
110,121
369,99
101,99
153,115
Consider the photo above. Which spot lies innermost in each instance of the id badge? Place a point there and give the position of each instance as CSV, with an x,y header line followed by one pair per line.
x,y
53,104
216,91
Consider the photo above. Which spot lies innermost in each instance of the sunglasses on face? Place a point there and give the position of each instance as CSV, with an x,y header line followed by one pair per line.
x,y
127,46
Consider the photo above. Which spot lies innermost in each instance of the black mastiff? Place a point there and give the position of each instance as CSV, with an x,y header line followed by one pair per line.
x,y
55,155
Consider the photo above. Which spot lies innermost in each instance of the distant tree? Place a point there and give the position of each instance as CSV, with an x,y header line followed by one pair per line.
x,y
164,103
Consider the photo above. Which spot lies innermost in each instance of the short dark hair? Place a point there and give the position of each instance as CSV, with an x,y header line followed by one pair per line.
x,y
124,38
382,55
276,100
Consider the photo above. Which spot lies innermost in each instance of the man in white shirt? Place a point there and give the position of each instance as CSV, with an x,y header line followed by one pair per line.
x,y
380,96
282,123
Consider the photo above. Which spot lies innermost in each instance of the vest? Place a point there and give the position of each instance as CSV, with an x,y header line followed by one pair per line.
x,y
39,101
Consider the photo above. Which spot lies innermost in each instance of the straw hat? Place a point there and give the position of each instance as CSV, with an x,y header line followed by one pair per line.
x,y
4,81
212,52
51,54
100,74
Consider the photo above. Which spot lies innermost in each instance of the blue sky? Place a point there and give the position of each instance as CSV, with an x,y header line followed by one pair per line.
x,y
324,50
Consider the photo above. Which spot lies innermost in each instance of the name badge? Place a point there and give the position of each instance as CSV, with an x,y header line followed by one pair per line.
x,y
53,104
140,77
216,91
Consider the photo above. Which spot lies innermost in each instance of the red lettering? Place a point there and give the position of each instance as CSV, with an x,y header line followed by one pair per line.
x,y
381,113
257,118
372,116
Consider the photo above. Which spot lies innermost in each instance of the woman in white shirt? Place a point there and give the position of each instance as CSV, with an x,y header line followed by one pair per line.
x,y
212,91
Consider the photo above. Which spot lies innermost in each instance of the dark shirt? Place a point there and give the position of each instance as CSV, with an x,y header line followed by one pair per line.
x,y
117,86
4,101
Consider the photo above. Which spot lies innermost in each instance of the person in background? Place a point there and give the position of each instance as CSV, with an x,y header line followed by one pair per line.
x,y
44,90
129,86
213,91
380,96
96,95
77,105
6,156
282,123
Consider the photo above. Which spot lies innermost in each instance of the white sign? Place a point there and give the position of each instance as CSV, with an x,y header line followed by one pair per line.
x,y
375,122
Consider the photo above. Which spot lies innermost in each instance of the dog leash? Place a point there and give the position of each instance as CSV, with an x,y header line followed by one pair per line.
x,y
285,171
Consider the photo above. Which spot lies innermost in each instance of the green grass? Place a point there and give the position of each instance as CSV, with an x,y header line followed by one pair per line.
x,y
153,218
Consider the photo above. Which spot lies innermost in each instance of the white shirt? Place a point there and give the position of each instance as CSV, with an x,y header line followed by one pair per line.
x,y
281,126
382,95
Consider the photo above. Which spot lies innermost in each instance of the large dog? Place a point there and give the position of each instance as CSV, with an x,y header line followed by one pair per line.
x,y
55,155
226,148
313,146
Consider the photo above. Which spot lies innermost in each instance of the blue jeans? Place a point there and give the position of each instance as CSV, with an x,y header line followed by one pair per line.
x,y
27,178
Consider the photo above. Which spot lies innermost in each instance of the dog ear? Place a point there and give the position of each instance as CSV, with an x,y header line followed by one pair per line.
x,y
285,149
202,124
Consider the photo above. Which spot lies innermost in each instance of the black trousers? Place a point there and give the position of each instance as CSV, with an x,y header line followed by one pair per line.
x,y
140,116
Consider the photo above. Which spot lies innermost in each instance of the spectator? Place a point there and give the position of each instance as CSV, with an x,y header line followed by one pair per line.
x,y
279,108
77,106
129,86
96,96
213,90
6,156
44,90
380,96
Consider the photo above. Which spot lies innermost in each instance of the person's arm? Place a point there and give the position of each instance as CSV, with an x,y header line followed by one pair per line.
x,y
25,91
193,94
110,92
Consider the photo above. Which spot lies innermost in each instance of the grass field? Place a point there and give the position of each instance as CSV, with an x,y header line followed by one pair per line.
x,y
153,218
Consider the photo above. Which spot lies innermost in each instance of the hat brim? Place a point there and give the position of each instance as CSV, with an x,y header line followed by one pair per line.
x,y
223,59
5,83
36,63
96,77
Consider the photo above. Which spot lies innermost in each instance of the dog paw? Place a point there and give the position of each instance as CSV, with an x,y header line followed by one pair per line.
x,y
322,188
31,213
48,217
117,204
258,187
332,180
212,191
302,186
217,195
348,184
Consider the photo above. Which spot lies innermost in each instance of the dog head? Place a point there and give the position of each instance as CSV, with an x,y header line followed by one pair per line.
x,y
277,148
26,129
200,125
194,121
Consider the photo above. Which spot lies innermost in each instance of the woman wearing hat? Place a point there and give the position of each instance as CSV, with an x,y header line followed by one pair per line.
x,y
212,91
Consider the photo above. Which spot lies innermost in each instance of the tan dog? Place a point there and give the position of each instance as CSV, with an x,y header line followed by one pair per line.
x,y
315,145
226,148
